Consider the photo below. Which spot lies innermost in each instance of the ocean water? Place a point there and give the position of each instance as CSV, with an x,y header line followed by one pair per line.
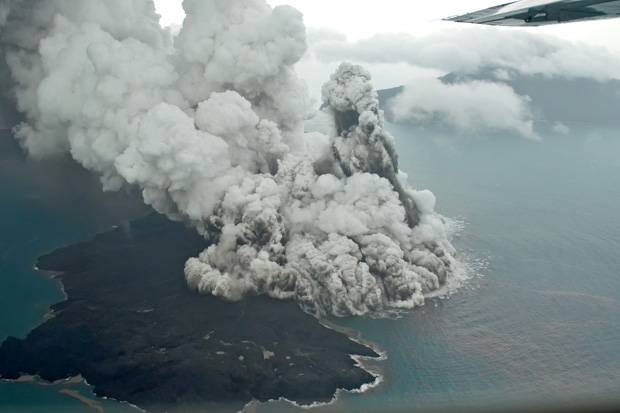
x,y
45,205
539,320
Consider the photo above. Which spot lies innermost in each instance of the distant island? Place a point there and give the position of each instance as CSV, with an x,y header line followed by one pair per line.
x,y
133,330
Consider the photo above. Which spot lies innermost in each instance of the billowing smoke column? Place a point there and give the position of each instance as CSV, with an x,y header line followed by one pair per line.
x,y
210,127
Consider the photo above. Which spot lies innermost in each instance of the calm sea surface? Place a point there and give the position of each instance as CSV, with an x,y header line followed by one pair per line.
x,y
44,205
539,321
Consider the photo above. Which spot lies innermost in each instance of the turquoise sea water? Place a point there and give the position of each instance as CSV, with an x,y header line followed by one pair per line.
x,y
540,323
44,205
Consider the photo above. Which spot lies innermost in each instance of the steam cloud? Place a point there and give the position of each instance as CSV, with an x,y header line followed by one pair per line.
x,y
210,127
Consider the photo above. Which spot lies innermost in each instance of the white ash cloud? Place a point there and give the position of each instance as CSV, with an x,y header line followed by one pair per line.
x,y
329,233
469,107
210,128
246,46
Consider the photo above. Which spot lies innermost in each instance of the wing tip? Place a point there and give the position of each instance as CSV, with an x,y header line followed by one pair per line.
x,y
528,16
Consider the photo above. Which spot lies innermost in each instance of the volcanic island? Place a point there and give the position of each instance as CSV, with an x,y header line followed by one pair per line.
x,y
134,331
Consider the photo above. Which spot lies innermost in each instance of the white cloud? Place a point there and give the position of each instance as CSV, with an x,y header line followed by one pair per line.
x,y
467,107
171,12
561,129
470,108
471,48
405,16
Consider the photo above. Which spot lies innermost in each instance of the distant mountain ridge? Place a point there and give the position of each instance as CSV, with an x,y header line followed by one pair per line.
x,y
386,94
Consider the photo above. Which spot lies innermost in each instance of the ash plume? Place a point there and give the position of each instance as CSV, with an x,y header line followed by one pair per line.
x,y
209,126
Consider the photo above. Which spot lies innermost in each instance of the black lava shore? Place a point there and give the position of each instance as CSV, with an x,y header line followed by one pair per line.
x,y
134,331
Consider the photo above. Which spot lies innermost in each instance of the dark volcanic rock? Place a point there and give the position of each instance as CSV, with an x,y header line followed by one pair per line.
x,y
135,332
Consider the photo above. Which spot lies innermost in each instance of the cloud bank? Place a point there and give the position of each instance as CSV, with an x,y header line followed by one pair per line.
x,y
468,107
209,127
474,48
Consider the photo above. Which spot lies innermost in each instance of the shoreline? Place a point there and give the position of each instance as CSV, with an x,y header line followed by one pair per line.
x,y
69,381
89,403
56,275
307,357
353,335
377,373
365,363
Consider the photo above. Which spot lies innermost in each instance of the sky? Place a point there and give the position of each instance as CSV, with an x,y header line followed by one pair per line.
x,y
356,20
360,19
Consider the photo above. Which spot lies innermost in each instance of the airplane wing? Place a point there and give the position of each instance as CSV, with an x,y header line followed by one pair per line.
x,y
542,12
